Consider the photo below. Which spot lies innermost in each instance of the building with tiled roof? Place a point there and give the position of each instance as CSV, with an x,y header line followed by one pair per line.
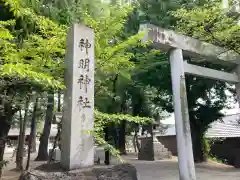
x,y
228,126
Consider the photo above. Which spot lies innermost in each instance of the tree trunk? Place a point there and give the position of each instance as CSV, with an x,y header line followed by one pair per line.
x,y
34,139
122,128
114,135
22,137
199,149
20,140
107,129
6,116
135,139
134,143
137,143
43,147
107,154
5,127
32,134
59,101
122,138
34,130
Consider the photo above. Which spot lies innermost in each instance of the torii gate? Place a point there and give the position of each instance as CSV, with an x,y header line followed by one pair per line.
x,y
179,46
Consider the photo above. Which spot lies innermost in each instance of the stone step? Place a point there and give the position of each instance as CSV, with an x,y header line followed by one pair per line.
x,y
165,155
160,151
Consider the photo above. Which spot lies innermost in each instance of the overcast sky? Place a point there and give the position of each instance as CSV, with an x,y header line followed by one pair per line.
x,y
234,110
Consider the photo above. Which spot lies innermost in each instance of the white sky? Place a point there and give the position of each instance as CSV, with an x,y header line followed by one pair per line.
x,y
234,110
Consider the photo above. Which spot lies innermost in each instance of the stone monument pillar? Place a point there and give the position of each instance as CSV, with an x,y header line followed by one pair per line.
x,y
146,152
77,146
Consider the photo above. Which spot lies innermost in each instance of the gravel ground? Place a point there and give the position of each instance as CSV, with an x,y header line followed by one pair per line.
x,y
168,170
158,170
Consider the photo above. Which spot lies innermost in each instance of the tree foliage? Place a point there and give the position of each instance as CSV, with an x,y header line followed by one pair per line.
x,y
33,49
32,58
102,119
210,23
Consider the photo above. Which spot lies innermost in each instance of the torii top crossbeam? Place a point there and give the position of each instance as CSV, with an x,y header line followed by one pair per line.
x,y
166,39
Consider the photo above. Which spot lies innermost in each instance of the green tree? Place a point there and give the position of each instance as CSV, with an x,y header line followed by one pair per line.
x,y
112,51
25,60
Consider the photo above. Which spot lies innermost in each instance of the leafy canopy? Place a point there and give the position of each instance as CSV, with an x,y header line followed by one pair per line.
x,y
33,55
210,23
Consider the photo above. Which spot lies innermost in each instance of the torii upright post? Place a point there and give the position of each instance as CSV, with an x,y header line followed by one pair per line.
x,y
184,141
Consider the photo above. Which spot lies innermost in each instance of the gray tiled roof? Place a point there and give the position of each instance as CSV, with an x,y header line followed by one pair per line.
x,y
15,132
229,126
170,131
